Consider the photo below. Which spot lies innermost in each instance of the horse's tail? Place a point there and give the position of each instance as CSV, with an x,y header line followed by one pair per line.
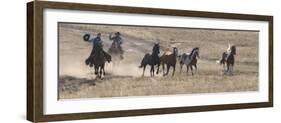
x,y
144,60
107,57
222,59
89,61
182,58
219,61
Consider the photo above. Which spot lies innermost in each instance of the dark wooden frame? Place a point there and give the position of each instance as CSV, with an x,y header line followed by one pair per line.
x,y
35,60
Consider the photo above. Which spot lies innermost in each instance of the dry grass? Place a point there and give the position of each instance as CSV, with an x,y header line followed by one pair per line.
x,y
76,81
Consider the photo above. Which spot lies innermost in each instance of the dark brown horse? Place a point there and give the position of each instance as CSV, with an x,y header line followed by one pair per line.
x,y
98,59
189,60
228,59
170,60
152,60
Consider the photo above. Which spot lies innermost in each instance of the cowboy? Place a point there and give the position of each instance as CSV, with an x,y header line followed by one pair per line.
x,y
97,43
97,40
117,40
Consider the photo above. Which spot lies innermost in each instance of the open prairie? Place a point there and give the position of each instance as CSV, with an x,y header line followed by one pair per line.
x,y
76,80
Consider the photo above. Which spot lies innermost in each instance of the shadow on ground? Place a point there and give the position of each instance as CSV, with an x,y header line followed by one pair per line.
x,y
71,84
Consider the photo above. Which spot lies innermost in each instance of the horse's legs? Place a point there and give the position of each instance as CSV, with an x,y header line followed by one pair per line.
x,y
195,68
96,70
227,67
152,70
187,69
163,67
158,65
181,67
223,67
231,69
100,71
143,70
191,69
103,70
174,69
168,69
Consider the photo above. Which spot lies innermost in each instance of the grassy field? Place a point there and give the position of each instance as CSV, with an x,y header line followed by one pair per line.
x,y
76,80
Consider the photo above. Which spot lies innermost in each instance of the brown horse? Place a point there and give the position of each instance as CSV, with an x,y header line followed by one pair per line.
x,y
98,59
170,60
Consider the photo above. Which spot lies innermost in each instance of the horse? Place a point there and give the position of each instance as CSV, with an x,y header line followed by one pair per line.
x,y
189,60
152,60
170,60
98,59
228,59
116,51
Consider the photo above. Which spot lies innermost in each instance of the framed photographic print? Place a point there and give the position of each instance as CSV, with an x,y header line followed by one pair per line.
x,y
96,61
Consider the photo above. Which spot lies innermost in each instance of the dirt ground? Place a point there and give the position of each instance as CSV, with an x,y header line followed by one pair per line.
x,y
76,80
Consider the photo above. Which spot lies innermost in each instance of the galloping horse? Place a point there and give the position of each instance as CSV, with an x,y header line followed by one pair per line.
x,y
116,52
98,59
189,60
169,59
228,59
151,59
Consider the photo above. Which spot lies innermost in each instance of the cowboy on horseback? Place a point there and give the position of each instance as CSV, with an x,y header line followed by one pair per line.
x,y
97,46
117,40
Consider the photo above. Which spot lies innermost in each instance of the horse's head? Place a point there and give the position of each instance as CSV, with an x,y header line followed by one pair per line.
x,y
197,52
233,49
175,51
156,48
194,53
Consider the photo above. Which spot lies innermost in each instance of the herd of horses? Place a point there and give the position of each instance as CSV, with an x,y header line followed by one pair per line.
x,y
167,59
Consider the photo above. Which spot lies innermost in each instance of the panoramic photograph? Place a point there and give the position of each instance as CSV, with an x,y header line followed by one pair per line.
x,y
106,60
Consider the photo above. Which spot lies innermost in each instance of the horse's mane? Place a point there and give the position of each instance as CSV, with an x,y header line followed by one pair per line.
x,y
192,51
233,48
